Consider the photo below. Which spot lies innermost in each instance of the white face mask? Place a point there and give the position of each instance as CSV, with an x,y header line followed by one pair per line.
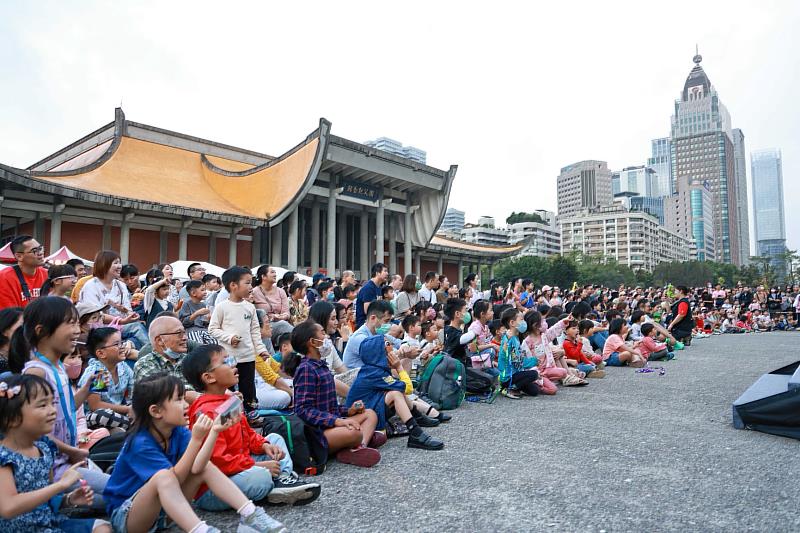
x,y
326,348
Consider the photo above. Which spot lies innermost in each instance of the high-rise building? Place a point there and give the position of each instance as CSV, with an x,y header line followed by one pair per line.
x,y
768,214
703,153
648,204
544,238
453,221
742,210
660,161
633,238
689,212
640,180
583,185
396,147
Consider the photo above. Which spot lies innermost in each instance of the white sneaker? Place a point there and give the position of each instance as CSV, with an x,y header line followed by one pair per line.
x,y
260,522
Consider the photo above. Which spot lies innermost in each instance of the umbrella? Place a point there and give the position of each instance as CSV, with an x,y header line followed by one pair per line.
x,y
180,269
6,255
64,254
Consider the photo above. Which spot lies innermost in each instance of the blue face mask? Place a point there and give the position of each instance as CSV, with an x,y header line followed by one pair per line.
x,y
522,327
330,296
172,354
383,329
278,356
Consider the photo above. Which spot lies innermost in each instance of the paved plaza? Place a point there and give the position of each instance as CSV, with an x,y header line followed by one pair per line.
x,y
632,452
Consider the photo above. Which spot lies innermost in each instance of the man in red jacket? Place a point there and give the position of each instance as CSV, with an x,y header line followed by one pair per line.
x,y
21,284
261,467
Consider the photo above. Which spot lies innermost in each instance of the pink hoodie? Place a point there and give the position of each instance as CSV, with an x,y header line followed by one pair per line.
x,y
543,348
649,345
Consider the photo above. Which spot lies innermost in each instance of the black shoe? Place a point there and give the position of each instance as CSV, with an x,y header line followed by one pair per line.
x,y
293,490
427,400
426,421
443,417
424,442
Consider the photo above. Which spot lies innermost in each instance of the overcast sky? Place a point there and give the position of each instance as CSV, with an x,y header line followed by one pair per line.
x,y
510,92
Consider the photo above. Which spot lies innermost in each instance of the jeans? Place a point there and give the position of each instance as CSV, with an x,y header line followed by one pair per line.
x,y
255,482
583,367
136,332
494,372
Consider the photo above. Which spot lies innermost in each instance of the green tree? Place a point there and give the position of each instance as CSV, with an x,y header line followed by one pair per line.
x,y
515,217
764,268
789,257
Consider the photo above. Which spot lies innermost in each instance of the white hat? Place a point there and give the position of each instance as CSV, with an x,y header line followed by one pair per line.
x,y
88,308
546,288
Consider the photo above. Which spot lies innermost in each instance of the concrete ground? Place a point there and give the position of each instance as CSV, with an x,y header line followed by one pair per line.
x,y
631,452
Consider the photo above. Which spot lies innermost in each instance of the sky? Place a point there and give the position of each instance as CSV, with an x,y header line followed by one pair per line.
x,y
509,91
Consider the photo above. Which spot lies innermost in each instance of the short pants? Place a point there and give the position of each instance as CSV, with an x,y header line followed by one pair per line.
x,y
119,517
613,360
80,525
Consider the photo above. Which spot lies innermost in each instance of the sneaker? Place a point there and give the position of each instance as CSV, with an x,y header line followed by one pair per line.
x,y
508,393
637,364
424,442
260,522
292,490
377,440
212,529
670,356
678,345
597,374
254,420
361,456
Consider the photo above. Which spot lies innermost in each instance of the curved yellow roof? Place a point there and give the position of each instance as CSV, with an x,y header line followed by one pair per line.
x,y
438,240
147,171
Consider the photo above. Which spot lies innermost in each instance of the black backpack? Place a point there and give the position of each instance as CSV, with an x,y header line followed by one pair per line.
x,y
479,382
308,454
105,451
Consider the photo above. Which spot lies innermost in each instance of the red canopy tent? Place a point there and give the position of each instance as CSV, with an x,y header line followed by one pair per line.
x,y
6,255
64,254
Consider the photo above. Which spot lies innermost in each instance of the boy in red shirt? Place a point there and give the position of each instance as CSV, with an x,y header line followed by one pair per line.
x,y
260,467
30,258
573,350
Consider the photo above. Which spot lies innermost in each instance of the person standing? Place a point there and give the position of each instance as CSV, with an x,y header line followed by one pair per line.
x,y
22,284
370,292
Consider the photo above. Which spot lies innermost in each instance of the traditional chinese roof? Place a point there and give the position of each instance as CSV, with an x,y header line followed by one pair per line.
x,y
460,247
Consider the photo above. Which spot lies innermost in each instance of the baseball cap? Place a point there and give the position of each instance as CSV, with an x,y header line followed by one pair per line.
x,y
89,308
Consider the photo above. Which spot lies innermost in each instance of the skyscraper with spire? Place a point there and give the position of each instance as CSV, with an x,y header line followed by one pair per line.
x,y
703,169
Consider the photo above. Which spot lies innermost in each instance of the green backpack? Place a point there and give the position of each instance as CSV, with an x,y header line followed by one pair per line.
x,y
443,381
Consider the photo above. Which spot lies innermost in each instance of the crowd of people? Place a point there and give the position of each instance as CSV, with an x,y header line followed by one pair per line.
x,y
186,372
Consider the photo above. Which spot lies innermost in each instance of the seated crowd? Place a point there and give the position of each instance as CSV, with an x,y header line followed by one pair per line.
x,y
187,376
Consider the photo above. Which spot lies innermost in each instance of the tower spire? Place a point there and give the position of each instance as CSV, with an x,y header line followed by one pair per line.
x,y
697,57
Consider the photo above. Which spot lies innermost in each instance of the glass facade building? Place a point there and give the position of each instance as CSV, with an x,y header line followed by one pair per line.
x,y
768,209
660,161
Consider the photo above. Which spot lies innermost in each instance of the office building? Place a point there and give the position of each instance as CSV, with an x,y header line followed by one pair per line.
x,y
689,212
704,154
640,180
453,221
583,185
634,202
396,147
742,210
768,210
660,161
543,238
485,233
633,238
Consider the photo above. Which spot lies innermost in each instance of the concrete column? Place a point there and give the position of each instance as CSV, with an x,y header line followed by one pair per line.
x,y
125,237
255,247
1,212
480,278
330,227
418,265
314,259
363,234
392,243
212,248
107,235
277,245
407,249
440,266
38,227
344,261
292,244
491,271
460,276
379,234
301,237
55,227
163,242
232,245
183,242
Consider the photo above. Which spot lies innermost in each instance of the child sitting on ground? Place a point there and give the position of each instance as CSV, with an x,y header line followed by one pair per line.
x,y
573,350
347,433
637,319
377,389
110,393
260,467
518,374
585,329
616,352
484,352
272,391
162,462
429,345
194,313
651,349
29,498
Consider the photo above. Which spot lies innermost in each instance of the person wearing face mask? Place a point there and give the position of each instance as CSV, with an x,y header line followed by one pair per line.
x,y
169,341
455,339
409,295
518,374
378,318
90,317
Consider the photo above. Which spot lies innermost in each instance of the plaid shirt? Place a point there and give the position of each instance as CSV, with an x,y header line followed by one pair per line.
x,y
153,363
315,394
